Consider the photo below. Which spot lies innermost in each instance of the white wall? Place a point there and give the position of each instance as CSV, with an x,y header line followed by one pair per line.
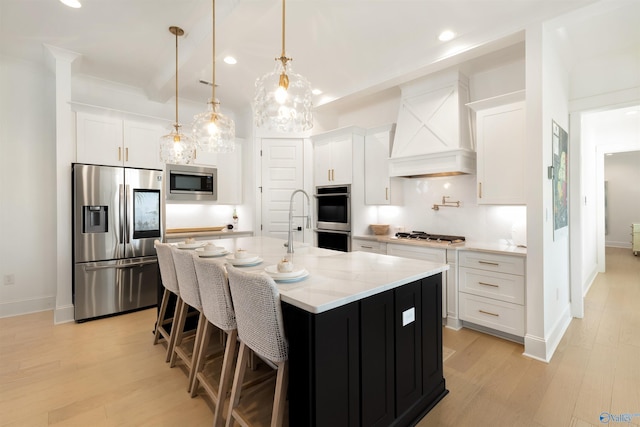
x,y
555,106
27,187
622,175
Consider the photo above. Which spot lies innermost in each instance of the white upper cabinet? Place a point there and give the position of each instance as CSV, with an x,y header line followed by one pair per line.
x,y
229,167
333,156
142,144
204,158
500,138
379,188
99,140
113,141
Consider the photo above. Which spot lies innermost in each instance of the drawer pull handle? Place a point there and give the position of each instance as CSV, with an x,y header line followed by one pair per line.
x,y
489,313
366,247
488,263
489,284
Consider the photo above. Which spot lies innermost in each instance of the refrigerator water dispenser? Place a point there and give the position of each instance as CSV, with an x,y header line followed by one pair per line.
x,y
94,219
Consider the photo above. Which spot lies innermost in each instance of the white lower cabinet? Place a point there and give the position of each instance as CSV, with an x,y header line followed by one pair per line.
x,y
366,245
453,318
429,254
492,291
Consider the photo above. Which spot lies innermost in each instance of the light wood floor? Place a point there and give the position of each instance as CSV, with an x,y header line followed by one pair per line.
x,y
595,369
108,373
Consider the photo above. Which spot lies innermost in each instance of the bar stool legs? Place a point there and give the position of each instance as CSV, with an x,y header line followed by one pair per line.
x,y
280,396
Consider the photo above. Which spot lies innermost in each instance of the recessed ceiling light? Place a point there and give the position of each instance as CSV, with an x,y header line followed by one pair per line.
x,y
316,91
446,35
230,60
72,3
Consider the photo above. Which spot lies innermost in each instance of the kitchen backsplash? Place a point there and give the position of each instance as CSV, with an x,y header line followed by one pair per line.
x,y
186,215
475,222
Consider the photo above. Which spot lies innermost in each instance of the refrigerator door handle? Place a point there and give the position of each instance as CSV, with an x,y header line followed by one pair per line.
x,y
127,216
120,266
121,225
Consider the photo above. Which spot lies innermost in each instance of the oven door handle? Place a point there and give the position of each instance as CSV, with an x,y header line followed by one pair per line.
x,y
332,194
320,230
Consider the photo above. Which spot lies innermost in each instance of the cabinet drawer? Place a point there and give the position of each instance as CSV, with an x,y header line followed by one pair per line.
x,y
493,314
418,252
504,287
492,262
368,246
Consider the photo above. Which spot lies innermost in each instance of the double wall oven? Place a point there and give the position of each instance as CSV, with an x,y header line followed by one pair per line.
x,y
333,219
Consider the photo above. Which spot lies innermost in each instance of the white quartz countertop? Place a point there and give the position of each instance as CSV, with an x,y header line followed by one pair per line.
x,y
494,247
335,278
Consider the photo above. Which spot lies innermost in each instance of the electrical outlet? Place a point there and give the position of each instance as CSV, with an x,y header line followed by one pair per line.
x,y
9,279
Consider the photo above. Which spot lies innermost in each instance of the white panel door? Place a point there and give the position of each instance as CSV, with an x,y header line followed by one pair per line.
x,y
282,173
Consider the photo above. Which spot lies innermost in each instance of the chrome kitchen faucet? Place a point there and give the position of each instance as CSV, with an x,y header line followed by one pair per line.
x,y
308,216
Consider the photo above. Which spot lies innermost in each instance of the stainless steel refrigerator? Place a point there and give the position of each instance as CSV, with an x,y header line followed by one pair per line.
x,y
116,219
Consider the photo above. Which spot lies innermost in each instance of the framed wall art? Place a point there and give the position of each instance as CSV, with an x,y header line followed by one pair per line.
x,y
560,175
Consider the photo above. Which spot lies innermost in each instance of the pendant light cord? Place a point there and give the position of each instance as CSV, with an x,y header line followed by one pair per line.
x,y
177,124
213,64
176,31
283,50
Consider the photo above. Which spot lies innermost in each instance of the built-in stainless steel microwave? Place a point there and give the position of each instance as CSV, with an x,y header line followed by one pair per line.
x,y
191,183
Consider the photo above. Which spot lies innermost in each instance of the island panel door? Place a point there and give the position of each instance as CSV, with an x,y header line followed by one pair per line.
x,y
408,357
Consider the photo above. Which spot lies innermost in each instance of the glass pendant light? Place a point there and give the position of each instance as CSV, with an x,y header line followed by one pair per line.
x,y
176,147
282,100
213,131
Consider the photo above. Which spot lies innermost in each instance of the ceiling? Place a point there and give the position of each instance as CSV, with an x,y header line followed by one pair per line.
x,y
347,48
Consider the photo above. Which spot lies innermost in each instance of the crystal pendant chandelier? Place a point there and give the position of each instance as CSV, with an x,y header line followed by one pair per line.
x,y
176,147
282,100
213,131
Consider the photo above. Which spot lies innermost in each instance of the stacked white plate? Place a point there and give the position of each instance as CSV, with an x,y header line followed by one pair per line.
x,y
218,251
244,262
190,245
286,277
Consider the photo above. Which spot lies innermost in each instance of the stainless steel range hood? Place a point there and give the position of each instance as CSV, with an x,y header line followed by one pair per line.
x,y
433,131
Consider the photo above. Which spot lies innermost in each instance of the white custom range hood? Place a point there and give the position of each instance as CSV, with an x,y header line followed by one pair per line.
x,y
433,131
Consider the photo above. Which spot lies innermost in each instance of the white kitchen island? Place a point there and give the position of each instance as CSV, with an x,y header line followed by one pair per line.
x,y
364,332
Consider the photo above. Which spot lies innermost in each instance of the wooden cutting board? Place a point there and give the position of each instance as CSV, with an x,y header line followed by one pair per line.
x,y
195,230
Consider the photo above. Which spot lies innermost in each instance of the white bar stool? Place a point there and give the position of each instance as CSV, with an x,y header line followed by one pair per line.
x,y
256,302
170,283
190,294
219,313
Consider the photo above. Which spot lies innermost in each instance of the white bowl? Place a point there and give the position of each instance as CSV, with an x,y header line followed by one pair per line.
x,y
242,254
285,266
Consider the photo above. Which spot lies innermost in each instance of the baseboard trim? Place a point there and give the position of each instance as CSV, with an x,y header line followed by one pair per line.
x,y
535,348
453,323
589,282
543,349
26,306
495,333
63,314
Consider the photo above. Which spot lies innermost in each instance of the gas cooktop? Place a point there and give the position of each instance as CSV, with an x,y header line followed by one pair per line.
x,y
435,238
